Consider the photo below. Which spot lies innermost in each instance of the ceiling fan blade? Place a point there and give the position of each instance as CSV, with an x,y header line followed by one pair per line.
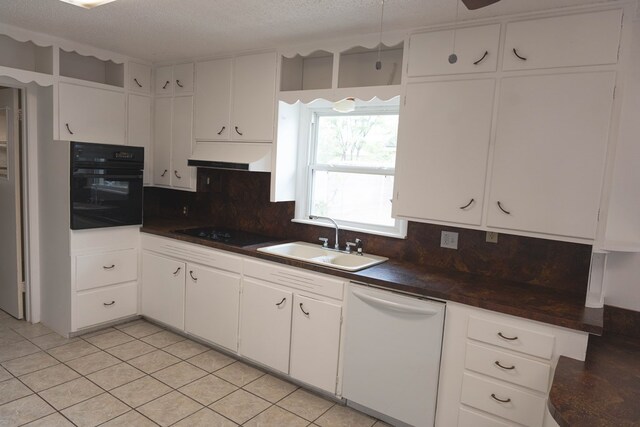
x,y
477,4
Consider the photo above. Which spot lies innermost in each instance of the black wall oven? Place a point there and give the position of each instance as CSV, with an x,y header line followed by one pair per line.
x,y
106,185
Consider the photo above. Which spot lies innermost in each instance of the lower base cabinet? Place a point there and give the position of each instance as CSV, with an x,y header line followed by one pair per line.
x,y
163,289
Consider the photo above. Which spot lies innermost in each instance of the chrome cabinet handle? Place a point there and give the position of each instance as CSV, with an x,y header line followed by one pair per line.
x,y
500,400
164,173
178,83
137,82
176,174
501,366
166,84
486,53
515,52
222,130
195,279
238,131
281,302
468,204
68,129
306,313
503,209
175,273
507,338
111,267
107,304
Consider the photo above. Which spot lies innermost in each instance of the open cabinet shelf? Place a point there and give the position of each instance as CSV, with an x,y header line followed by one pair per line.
x,y
26,56
313,71
357,66
90,68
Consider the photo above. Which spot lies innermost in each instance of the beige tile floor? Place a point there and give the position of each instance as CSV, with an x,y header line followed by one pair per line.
x,y
139,374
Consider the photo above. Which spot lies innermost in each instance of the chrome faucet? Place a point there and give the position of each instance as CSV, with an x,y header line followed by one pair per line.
x,y
335,224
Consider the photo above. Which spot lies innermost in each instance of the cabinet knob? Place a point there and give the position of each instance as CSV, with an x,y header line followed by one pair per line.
x,y
176,174
135,79
306,313
501,366
175,273
281,302
111,267
503,209
496,398
195,279
68,129
486,53
164,173
468,204
166,84
178,83
107,304
222,130
520,57
238,131
507,338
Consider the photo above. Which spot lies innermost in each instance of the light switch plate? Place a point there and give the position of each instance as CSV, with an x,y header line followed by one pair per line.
x,y
492,237
449,240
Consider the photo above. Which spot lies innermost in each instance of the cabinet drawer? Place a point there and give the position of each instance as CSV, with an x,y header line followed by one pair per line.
x,y
507,367
467,418
511,337
107,268
563,41
518,406
298,279
105,304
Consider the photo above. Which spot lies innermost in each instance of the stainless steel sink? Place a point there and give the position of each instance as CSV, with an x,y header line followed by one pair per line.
x,y
314,254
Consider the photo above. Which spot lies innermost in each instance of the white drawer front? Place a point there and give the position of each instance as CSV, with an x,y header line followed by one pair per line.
x,y
511,337
467,418
294,278
507,367
102,305
518,406
106,268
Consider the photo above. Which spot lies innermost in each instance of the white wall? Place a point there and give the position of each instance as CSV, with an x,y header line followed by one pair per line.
x,y
622,276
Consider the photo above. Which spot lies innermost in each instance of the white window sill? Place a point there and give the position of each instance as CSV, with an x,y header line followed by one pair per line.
x,y
402,234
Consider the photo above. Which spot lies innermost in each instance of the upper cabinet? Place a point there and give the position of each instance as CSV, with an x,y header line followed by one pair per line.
x,y
563,41
174,79
476,49
550,150
139,78
139,130
235,98
91,114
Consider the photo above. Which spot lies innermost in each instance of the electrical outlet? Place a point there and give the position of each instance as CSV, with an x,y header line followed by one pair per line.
x,y
185,210
449,240
492,237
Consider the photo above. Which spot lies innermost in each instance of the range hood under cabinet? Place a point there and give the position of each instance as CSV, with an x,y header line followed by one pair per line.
x,y
253,157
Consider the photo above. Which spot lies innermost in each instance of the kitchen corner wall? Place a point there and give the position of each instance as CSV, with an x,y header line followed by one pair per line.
x,y
240,200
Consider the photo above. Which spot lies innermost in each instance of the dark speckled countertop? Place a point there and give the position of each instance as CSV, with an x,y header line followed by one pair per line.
x,y
508,297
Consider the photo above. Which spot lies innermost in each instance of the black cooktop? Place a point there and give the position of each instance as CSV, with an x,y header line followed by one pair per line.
x,y
227,236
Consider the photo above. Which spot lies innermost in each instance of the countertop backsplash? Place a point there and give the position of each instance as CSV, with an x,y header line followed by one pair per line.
x,y
240,200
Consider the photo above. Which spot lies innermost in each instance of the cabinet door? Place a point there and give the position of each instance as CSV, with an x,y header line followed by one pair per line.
x,y
443,144
315,342
139,130
162,141
164,80
265,325
563,41
476,48
183,78
212,305
91,115
550,150
163,289
182,176
254,92
139,78
213,100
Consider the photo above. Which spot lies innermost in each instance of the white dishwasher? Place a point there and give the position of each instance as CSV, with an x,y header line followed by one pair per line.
x,y
392,353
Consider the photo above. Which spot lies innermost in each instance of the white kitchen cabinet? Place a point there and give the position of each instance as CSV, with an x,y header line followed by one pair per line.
x,y
235,98
476,48
548,165
90,114
139,130
212,305
139,78
213,100
163,289
265,325
563,41
444,134
105,304
173,121
315,342
174,79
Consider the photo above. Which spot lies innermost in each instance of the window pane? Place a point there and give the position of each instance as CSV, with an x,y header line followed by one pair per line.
x,y
357,140
353,197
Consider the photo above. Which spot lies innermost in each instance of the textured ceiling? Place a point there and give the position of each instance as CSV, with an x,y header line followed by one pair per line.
x,y
166,30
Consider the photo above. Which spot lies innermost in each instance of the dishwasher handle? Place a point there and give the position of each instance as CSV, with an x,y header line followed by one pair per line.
x,y
394,306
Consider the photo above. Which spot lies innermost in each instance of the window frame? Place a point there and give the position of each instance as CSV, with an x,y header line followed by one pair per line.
x,y
307,165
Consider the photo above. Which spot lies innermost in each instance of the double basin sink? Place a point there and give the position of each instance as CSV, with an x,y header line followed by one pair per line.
x,y
325,257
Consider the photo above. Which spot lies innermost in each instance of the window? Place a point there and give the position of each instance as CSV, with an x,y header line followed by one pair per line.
x,y
348,171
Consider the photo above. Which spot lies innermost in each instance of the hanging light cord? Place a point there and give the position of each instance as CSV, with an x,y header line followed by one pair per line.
x,y
379,62
453,58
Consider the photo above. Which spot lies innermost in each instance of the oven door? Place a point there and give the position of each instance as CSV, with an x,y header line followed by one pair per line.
x,y
105,198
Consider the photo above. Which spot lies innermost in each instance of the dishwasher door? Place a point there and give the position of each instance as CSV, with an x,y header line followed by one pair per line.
x,y
392,354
